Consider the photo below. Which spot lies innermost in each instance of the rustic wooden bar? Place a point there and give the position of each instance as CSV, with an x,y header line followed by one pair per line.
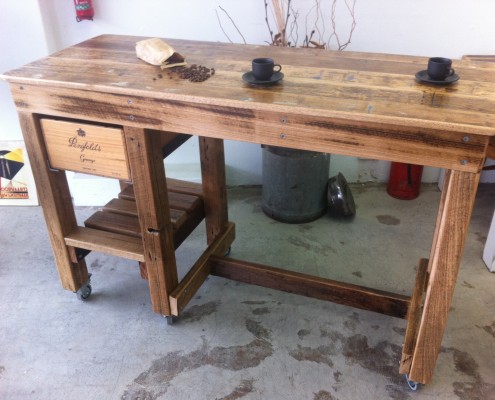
x,y
357,104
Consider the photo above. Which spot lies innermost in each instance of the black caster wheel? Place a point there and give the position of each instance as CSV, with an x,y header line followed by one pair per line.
x,y
413,385
171,319
84,292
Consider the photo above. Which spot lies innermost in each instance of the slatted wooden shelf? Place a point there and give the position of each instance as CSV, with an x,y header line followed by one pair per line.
x,y
106,242
115,229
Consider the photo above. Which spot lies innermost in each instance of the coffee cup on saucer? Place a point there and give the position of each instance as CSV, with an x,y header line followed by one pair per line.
x,y
440,68
264,68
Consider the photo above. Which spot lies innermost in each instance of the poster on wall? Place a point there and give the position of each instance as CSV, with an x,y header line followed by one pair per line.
x,y
16,178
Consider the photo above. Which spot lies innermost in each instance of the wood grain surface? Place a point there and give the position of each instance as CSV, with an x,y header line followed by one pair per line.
x,y
357,104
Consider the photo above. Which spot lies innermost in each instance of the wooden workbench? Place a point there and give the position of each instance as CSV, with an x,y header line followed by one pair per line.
x,y
98,94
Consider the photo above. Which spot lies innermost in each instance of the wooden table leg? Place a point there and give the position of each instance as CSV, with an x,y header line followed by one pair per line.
x,y
150,189
414,317
55,199
455,210
214,186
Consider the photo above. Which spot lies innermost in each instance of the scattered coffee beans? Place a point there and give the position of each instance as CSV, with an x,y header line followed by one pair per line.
x,y
194,73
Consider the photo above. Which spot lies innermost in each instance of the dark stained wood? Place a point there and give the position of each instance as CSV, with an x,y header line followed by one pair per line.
x,y
121,216
177,200
128,208
214,186
115,218
379,301
171,142
193,218
185,187
186,211
195,277
113,222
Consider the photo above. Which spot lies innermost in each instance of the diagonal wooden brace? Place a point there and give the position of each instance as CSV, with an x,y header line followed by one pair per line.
x,y
414,316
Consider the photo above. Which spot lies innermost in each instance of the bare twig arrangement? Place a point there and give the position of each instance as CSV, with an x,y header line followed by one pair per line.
x,y
233,23
285,18
316,14
281,12
350,7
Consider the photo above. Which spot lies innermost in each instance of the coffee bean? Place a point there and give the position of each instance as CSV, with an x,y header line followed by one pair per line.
x,y
194,73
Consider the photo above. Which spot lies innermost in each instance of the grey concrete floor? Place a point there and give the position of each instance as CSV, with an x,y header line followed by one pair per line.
x,y
239,341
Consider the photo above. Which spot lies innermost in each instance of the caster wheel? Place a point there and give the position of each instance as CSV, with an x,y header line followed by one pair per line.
x,y
171,319
413,385
84,292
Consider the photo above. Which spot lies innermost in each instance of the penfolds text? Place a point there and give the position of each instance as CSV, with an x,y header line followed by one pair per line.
x,y
83,146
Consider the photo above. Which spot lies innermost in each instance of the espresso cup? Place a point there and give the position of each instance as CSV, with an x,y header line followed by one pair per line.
x,y
440,68
264,68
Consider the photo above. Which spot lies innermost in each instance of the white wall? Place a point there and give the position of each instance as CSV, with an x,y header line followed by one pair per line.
x,y
18,46
449,28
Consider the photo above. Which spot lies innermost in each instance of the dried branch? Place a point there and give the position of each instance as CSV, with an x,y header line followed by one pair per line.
x,y
309,41
353,23
286,18
318,15
233,23
268,23
351,9
294,27
221,27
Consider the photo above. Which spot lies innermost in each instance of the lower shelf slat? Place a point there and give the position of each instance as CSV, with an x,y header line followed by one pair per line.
x,y
106,242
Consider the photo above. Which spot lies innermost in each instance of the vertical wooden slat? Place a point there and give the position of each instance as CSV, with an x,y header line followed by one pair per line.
x,y
214,186
150,188
446,179
458,200
55,199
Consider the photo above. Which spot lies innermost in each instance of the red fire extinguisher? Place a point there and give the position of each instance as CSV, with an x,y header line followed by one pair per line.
x,y
404,181
84,10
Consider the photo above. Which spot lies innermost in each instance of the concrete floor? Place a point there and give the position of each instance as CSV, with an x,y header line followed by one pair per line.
x,y
238,341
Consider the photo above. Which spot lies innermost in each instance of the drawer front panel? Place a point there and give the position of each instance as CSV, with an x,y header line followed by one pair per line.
x,y
91,149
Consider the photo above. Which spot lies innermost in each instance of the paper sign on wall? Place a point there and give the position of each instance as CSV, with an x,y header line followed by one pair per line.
x,y
16,179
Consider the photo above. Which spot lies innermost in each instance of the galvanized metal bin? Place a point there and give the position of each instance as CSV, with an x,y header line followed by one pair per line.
x,y
294,184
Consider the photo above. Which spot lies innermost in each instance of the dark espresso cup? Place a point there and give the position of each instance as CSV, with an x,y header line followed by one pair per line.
x,y
264,68
440,68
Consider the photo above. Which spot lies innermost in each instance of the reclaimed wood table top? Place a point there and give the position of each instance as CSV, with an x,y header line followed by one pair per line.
x,y
352,103
358,104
